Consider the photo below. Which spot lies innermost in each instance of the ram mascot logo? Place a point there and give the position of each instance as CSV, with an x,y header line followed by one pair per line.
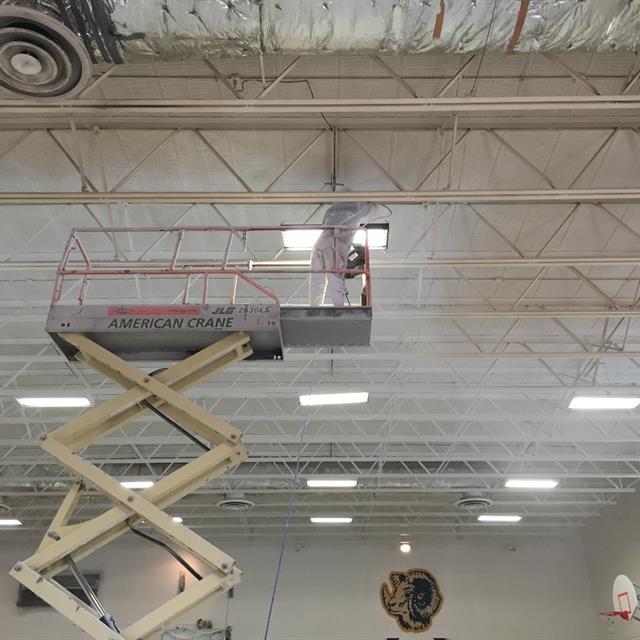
x,y
413,600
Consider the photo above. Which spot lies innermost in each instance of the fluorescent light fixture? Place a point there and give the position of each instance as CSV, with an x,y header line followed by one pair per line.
x,y
10,522
522,483
378,234
603,402
318,399
54,402
328,483
486,517
331,520
405,547
177,519
137,484
300,239
304,239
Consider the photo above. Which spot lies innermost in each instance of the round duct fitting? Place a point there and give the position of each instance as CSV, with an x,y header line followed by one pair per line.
x,y
39,56
235,502
474,502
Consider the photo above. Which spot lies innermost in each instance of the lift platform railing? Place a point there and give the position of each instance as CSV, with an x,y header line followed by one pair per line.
x,y
227,253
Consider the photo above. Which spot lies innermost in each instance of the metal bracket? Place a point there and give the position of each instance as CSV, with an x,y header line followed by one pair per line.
x,y
66,543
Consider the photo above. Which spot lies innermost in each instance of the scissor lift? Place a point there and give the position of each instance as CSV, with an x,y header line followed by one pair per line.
x,y
173,331
204,339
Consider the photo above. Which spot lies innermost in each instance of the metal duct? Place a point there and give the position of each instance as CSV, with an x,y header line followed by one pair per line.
x,y
130,30
178,29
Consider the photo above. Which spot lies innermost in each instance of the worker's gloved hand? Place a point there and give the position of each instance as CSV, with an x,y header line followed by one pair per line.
x,y
107,619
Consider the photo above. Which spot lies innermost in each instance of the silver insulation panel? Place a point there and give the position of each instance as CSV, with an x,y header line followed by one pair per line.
x,y
135,30
180,29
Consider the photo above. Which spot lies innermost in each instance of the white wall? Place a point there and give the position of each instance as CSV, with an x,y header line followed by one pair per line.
x,y
538,592
612,546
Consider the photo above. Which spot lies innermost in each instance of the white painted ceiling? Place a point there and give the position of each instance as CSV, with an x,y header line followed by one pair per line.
x,y
438,424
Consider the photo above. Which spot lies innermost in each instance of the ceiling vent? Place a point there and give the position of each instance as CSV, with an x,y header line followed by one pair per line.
x,y
474,502
39,56
235,502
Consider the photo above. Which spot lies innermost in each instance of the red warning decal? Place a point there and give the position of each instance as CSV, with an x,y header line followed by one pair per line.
x,y
147,310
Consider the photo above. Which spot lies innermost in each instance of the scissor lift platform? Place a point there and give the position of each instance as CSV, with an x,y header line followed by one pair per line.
x,y
174,332
200,339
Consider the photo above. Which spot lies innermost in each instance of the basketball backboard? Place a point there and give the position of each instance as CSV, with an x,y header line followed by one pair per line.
x,y
625,598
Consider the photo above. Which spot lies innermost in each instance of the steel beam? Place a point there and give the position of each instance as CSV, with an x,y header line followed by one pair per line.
x,y
582,79
398,454
355,430
271,266
363,512
408,506
395,75
359,532
454,314
384,390
219,76
625,195
513,105
386,338
378,356
373,480
473,112
366,488
276,81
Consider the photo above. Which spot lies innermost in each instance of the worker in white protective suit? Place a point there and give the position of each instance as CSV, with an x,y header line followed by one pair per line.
x,y
332,249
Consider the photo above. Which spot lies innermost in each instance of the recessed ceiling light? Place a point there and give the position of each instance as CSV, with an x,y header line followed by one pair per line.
x,y
523,483
54,402
603,402
305,239
331,520
329,483
137,484
10,522
405,547
486,517
177,519
318,399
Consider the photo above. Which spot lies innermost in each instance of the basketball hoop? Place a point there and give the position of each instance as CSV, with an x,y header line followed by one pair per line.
x,y
626,600
625,615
